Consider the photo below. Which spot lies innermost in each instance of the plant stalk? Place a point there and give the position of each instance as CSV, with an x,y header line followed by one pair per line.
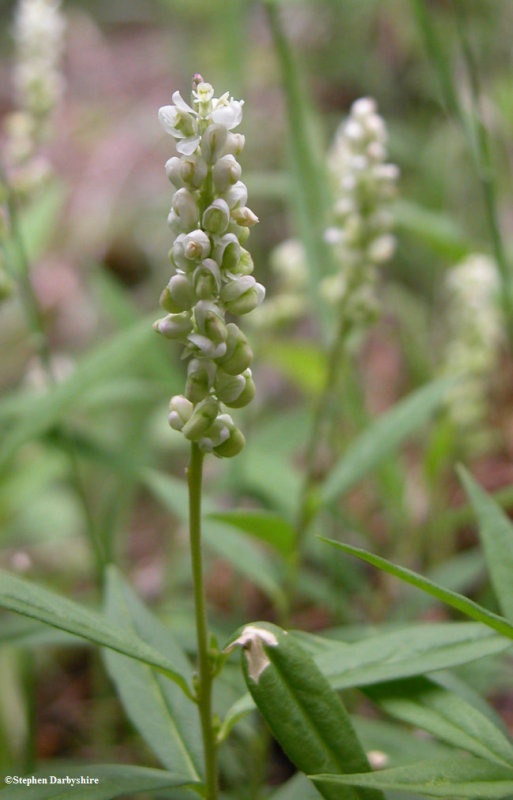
x,y
205,671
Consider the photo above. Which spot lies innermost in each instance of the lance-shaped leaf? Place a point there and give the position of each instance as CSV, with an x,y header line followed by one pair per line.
x,y
424,704
383,437
496,531
458,601
114,780
30,600
303,712
158,708
458,776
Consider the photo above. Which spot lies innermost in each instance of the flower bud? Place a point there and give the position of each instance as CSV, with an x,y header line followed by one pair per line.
x,y
242,295
213,142
196,245
226,171
218,433
202,418
238,355
193,171
206,279
207,348
241,233
216,217
232,445
184,206
382,248
244,216
245,265
210,321
174,326
200,376
180,411
175,223
228,387
173,172
234,144
227,252
236,195
236,391
178,294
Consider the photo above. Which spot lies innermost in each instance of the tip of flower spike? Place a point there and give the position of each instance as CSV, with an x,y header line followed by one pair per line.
x,y
196,79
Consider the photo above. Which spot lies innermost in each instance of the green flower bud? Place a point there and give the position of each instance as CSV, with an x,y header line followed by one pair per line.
x,y
242,295
213,142
238,355
232,446
184,206
200,377
210,321
234,144
173,172
206,279
175,223
245,265
180,411
193,171
177,255
174,326
226,171
178,294
196,245
228,387
244,216
218,433
216,217
247,394
227,252
241,233
236,195
202,418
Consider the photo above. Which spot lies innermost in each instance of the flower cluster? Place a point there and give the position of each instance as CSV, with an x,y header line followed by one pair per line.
x,y
39,37
474,337
363,185
210,223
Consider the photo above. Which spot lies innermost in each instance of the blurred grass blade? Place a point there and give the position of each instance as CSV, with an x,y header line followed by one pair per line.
x,y
458,776
496,532
383,437
425,705
305,715
437,56
46,410
114,780
239,551
311,195
38,223
457,601
26,598
266,526
157,707
436,229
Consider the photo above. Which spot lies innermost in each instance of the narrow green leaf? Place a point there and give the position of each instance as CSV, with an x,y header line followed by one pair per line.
x,y
44,411
303,712
496,531
458,601
457,776
267,526
412,650
37,225
383,437
158,708
115,780
424,704
441,233
26,598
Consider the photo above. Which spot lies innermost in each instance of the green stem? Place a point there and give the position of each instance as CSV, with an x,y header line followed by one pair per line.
x,y
205,672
